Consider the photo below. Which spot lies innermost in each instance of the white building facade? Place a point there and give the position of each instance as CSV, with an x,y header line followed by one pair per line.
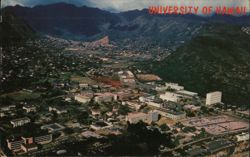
x,y
20,121
213,98
242,137
82,98
135,117
169,96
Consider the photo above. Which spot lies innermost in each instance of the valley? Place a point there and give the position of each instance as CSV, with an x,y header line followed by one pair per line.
x,y
82,81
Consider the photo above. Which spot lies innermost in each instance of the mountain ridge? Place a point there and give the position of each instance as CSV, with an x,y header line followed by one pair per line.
x,y
83,23
14,30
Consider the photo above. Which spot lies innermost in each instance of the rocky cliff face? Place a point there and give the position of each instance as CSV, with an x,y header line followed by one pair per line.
x,y
103,42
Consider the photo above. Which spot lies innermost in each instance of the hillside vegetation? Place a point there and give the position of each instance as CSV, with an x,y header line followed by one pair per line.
x,y
217,59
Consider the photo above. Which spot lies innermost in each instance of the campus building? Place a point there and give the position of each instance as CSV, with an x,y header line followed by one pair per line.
x,y
20,122
213,98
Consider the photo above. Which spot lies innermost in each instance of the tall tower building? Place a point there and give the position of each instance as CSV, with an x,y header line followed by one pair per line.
x,y
213,98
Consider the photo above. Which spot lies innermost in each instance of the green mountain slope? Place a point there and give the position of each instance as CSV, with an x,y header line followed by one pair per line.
x,y
218,59
13,30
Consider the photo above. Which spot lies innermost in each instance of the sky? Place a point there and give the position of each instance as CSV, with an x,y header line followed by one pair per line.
x,y
125,5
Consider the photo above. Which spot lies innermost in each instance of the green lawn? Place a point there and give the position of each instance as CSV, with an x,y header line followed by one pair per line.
x,y
83,80
22,95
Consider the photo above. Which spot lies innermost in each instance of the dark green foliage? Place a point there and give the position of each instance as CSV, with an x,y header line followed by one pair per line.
x,y
189,129
164,127
123,110
138,140
13,30
83,117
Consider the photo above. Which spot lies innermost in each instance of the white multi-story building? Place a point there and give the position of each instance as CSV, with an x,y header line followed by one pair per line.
x,y
146,98
176,115
58,110
242,137
186,93
83,85
153,116
133,105
20,121
29,108
174,86
171,114
154,104
83,98
2,114
151,101
135,117
169,96
213,98
105,97
7,108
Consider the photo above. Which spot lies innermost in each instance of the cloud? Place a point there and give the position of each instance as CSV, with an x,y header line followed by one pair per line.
x,y
11,3
32,3
124,5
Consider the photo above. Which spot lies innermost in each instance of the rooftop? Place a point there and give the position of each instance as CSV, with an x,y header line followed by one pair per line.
x,y
84,96
185,92
136,114
19,119
217,145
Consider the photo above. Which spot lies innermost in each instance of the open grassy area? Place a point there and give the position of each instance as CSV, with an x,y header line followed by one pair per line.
x,y
165,120
83,80
22,95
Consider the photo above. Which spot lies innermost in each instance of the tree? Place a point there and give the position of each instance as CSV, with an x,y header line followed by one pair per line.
x,y
164,127
55,116
190,113
189,129
138,140
5,100
83,117
203,132
123,109
204,109
179,124
69,131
